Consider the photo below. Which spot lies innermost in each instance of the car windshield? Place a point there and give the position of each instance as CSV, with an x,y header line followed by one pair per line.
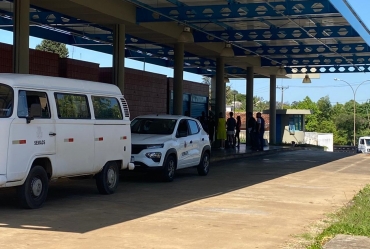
x,y
6,101
153,126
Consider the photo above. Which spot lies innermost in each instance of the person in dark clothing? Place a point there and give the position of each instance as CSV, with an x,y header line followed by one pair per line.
x,y
260,131
251,129
237,133
231,125
204,121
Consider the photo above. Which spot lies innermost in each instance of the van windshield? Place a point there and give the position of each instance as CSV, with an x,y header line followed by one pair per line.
x,y
367,142
153,126
6,101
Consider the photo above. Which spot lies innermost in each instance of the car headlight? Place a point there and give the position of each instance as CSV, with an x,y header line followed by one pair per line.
x,y
155,156
154,146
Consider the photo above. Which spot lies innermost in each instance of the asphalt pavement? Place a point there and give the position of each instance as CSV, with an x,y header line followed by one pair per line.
x,y
255,202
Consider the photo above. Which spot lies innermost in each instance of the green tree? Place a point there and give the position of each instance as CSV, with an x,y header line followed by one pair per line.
x,y
325,108
54,47
312,122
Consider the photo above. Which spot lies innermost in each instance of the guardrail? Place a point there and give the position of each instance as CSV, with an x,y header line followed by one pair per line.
x,y
345,149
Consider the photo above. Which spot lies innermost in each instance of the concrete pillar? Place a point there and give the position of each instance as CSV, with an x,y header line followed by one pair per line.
x,y
119,56
272,134
178,76
250,82
21,33
220,87
212,101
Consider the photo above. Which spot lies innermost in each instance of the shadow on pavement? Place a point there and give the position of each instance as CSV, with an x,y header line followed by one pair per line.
x,y
75,205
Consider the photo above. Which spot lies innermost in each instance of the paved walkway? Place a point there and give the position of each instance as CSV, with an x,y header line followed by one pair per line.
x,y
245,151
255,202
348,242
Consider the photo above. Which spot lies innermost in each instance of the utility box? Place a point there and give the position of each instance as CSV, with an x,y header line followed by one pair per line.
x,y
320,139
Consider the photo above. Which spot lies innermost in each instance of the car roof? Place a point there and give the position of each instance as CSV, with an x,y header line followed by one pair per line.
x,y
165,116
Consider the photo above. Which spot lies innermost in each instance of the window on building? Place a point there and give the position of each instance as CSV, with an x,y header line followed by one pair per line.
x,y
106,108
72,106
33,104
297,121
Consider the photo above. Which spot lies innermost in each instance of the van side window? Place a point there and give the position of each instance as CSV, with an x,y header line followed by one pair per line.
x,y
72,106
362,141
33,104
6,101
106,108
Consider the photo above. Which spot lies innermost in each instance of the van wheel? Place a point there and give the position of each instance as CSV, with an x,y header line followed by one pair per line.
x,y
107,180
203,167
32,194
169,168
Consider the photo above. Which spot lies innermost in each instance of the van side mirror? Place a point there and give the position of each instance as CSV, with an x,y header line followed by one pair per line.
x,y
29,119
35,111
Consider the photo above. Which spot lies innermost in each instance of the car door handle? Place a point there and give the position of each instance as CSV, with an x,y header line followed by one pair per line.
x,y
52,134
202,139
191,142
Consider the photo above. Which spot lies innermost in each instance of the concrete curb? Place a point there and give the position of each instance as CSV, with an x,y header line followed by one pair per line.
x,y
256,153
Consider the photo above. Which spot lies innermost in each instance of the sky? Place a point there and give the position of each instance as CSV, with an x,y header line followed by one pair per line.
x,y
337,91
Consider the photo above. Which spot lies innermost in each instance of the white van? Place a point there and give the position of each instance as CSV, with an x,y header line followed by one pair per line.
x,y
364,144
56,127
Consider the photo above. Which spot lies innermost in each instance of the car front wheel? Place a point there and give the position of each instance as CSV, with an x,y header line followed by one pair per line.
x,y
203,167
169,168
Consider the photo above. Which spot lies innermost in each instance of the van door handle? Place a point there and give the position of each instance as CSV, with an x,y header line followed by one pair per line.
x,y
52,134
191,142
202,139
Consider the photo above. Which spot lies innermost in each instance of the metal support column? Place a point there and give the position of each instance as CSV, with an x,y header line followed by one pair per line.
x,y
272,134
220,87
119,56
21,33
250,82
178,74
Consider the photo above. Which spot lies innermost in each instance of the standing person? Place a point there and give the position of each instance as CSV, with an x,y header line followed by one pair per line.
x,y
204,122
260,131
231,125
221,129
237,133
251,129
211,128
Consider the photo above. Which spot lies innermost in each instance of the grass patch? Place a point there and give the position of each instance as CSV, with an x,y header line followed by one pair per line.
x,y
353,219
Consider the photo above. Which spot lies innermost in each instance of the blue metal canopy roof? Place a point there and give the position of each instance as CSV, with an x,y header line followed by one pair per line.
x,y
304,35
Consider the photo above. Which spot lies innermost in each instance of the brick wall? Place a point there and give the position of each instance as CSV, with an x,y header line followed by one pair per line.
x,y
191,87
44,63
6,58
81,70
145,92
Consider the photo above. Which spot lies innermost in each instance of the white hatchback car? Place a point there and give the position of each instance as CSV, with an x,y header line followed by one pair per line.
x,y
168,143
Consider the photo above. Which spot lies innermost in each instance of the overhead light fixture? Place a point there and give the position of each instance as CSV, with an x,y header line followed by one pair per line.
x,y
226,80
306,79
186,36
227,51
281,71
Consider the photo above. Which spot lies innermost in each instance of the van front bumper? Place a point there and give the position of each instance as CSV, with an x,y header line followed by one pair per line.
x,y
2,180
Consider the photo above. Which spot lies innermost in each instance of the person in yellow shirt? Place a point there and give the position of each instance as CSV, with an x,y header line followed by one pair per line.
x,y
221,129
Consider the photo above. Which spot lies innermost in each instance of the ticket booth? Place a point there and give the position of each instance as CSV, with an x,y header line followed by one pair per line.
x,y
290,125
